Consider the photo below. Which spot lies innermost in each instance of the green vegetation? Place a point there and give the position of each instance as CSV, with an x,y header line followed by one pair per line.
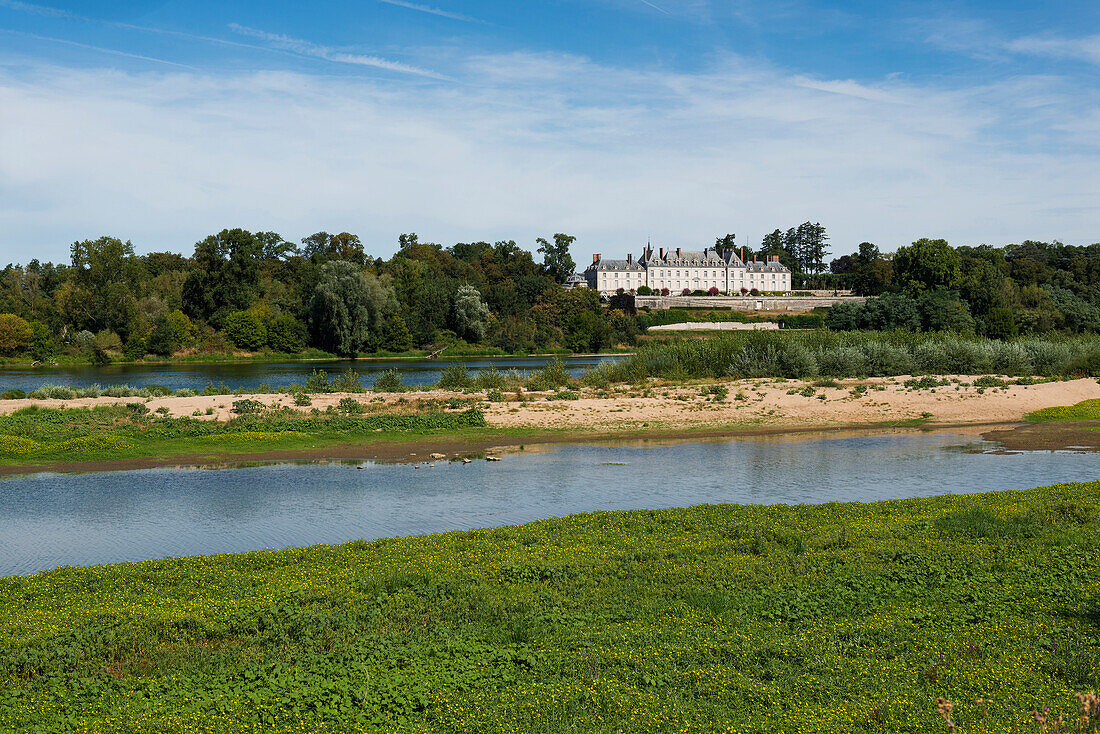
x,y
1086,410
34,434
805,355
828,618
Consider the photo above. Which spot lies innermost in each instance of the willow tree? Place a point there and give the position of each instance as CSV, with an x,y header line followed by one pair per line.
x,y
350,308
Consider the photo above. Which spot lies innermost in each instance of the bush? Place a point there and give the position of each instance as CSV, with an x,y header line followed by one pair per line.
x,y
302,399
53,392
841,362
885,359
552,376
389,381
351,406
13,395
348,381
247,406
156,391
490,379
245,330
455,376
564,395
645,290
286,334
712,291
796,361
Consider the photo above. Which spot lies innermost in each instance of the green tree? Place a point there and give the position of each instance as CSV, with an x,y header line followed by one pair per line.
x,y
246,330
471,315
286,334
15,334
556,260
945,311
397,337
226,276
349,307
107,279
926,265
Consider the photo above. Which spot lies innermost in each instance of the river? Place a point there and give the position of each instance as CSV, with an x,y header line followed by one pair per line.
x,y
48,519
250,375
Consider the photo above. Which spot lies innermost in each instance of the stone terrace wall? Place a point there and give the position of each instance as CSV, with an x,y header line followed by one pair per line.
x,y
745,303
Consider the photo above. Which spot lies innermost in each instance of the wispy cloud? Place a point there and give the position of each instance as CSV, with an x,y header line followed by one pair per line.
x,y
539,143
655,6
37,9
1086,48
431,10
99,49
308,48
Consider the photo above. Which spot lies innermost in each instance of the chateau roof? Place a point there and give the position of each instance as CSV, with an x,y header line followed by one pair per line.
x,y
618,265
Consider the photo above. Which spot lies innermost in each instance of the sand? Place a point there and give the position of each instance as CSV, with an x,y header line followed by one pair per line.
x,y
763,403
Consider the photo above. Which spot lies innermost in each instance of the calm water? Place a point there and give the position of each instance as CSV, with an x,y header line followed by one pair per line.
x,y
250,376
47,520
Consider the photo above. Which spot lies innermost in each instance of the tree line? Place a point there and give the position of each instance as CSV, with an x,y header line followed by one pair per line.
x,y
242,290
255,290
1027,288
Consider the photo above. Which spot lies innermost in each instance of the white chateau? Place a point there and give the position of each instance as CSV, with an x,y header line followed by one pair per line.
x,y
692,270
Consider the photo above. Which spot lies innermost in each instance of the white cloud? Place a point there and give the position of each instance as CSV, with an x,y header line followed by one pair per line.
x,y
527,145
430,10
1086,48
308,48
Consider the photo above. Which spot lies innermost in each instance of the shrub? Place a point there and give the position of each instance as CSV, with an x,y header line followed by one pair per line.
x,y
186,392
645,290
13,395
885,359
755,363
563,395
841,362
53,392
348,381
797,361
490,379
351,406
685,292
389,381
247,406
317,382
455,376
245,330
1047,358
302,399
156,391
712,291
553,375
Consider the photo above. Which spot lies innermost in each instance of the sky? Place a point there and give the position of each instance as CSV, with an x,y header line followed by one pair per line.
x,y
620,122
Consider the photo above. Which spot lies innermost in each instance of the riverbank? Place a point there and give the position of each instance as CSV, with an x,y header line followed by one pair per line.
x,y
824,618
169,430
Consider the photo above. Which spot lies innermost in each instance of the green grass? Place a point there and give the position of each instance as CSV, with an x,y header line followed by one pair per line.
x,y
1086,410
828,618
36,435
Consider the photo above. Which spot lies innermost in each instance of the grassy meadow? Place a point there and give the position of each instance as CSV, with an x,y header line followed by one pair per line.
x,y
825,618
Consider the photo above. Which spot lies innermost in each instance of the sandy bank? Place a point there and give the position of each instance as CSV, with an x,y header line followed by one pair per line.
x,y
747,403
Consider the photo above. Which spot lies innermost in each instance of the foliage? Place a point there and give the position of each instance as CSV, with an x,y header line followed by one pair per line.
x,y
388,381
349,308
455,376
15,334
286,334
712,618
246,330
471,315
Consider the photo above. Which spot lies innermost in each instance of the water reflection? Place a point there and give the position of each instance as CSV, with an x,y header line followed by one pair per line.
x,y
53,519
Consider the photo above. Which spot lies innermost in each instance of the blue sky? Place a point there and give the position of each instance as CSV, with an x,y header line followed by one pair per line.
x,y
618,121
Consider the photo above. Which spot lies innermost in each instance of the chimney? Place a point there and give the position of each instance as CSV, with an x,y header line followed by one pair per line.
x,y
629,258
662,253
595,258
677,252
742,254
